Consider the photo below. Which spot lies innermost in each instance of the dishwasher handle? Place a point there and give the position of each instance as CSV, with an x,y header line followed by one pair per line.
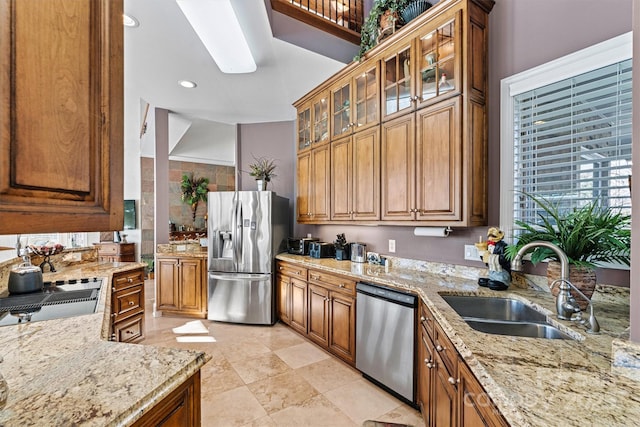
x,y
387,294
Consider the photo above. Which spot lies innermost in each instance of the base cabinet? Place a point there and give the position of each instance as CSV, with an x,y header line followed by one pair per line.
x,y
322,308
448,393
127,306
179,409
181,286
116,252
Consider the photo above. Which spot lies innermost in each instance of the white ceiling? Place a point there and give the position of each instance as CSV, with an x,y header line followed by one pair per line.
x,y
164,49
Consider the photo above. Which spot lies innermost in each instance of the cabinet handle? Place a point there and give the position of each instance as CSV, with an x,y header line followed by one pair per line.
x,y
281,268
439,347
453,381
298,273
429,363
113,289
342,285
423,319
113,337
130,280
131,332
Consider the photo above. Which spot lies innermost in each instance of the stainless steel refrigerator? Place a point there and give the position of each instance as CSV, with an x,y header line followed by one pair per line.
x,y
246,229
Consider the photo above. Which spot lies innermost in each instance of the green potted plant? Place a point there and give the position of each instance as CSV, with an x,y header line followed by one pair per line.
x,y
370,28
194,191
589,235
262,169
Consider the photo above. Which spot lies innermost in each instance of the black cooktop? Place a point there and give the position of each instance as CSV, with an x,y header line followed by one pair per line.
x,y
54,292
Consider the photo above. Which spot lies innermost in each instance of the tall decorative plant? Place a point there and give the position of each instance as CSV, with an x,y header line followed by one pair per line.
x,y
589,235
262,169
194,191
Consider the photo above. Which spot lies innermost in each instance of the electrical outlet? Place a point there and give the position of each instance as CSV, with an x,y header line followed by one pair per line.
x,y
392,246
471,253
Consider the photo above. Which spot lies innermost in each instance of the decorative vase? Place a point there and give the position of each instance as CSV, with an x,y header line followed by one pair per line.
x,y
583,278
262,184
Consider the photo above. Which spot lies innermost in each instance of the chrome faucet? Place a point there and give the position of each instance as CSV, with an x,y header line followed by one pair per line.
x,y
566,306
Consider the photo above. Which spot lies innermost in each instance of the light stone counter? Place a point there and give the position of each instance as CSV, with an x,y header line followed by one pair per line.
x,y
63,372
534,382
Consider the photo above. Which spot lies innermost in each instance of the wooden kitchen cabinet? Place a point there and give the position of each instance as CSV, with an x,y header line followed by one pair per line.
x,y
313,177
332,314
116,252
127,305
181,408
355,176
61,146
313,121
433,123
448,393
181,286
292,295
355,100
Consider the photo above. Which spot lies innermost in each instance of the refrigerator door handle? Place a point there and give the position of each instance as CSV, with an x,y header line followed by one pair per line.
x,y
234,232
237,245
239,276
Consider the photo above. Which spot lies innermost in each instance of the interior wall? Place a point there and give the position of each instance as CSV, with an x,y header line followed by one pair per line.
x,y
522,34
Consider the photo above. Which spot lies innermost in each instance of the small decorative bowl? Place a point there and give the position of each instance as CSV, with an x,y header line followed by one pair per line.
x,y
46,250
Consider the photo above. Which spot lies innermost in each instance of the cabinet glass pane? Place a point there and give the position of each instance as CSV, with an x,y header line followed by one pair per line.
x,y
304,128
437,66
398,82
341,110
321,120
366,96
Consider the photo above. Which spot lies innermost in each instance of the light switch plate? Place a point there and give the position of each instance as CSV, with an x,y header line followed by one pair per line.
x,y
392,246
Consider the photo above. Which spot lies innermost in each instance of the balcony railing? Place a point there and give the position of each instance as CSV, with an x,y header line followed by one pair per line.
x,y
342,18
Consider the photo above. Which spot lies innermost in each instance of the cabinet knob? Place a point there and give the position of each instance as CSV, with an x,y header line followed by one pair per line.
x,y
281,268
298,273
423,319
131,333
429,363
342,285
130,280
113,315
130,302
452,381
113,337
439,347
113,289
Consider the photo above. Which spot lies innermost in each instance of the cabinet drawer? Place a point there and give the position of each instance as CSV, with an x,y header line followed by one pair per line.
x,y
292,270
332,281
444,348
129,330
108,249
127,302
426,320
127,279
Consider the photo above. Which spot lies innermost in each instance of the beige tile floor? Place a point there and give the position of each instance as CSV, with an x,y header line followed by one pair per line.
x,y
271,376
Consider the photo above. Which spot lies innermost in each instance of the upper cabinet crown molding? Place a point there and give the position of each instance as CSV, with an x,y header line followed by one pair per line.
x,y
61,116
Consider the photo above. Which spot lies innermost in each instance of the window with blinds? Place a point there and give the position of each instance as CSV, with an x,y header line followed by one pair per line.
x,y
572,141
566,133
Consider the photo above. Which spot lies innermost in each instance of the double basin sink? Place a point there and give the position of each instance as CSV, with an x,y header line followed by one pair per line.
x,y
503,316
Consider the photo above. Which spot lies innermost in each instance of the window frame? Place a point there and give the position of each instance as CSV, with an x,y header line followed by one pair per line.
x,y
591,58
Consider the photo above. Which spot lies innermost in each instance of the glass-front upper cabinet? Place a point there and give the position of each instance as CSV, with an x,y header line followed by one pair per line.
x,y
438,58
355,101
313,121
304,127
397,95
320,118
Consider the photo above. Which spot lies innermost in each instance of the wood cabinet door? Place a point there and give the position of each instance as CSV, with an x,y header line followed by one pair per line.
x,y
439,162
298,305
167,283
303,200
304,127
190,284
425,375
320,118
320,183
366,175
318,326
61,88
341,114
341,179
443,396
283,295
342,326
475,407
398,168
397,94
365,96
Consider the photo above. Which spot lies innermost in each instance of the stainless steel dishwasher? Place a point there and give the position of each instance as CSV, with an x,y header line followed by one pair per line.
x,y
385,338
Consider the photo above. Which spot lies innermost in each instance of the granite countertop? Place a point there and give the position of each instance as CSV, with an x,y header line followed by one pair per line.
x,y
65,372
534,382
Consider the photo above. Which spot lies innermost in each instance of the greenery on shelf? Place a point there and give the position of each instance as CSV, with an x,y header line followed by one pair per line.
x,y
263,169
369,31
194,191
588,235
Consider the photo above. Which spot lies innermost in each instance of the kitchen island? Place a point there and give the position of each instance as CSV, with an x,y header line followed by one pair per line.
x,y
532,381
65,371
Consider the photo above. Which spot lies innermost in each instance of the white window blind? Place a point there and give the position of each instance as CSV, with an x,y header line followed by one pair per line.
x,y
572,141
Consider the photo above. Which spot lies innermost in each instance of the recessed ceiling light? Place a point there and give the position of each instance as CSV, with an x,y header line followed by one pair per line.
x,y
129,21
187,83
